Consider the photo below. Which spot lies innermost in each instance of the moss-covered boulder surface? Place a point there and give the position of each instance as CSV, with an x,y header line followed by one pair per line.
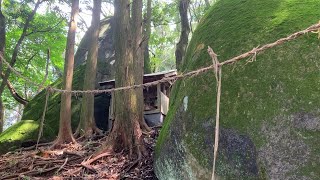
x,y
17,134
270,107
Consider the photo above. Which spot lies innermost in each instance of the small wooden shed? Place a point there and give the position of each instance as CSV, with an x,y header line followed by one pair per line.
x,y
156,98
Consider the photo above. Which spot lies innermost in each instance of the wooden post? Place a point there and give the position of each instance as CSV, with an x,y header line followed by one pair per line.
x,y
159,97
111,112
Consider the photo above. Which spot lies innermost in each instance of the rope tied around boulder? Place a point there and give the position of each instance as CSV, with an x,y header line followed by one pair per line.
x,y
218,73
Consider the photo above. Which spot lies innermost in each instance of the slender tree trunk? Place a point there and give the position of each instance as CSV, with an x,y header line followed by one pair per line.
x,y
138,61
147,33
2,49
87,124
127,133
185,30
65,131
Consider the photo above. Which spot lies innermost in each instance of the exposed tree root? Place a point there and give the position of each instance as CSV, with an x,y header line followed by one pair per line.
x,y
94,130
33,146
144,126
60,143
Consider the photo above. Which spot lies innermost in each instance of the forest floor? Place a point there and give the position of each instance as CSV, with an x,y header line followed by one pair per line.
x,y
68,163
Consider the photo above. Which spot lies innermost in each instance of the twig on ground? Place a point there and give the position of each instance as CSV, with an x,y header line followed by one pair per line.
x,y
89,161
65,162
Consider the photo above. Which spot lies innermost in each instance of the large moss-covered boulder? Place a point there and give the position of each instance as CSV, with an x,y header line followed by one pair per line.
x,y
270,107
24,131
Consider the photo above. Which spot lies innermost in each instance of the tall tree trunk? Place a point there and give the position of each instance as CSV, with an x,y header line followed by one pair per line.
x,y
138,61
127,133
65,131
2,49
185,30
87,124
146,34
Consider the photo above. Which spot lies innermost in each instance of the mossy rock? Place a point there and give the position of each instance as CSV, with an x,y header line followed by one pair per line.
x,y
16,134
270,107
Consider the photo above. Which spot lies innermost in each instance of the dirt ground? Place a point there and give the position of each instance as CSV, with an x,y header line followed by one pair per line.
x,y
73,162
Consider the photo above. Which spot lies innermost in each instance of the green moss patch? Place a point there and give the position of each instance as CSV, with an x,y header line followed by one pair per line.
x,y
16,134
280,83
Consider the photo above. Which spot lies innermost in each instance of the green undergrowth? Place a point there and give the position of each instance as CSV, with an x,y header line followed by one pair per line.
x,y
281,81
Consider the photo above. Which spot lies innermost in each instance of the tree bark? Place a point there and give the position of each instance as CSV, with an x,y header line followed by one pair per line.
x,y
146,34
87,124
185,30
127,133
2,51
138,60
65,131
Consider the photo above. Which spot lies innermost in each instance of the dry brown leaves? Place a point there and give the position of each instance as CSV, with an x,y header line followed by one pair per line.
x,y
67,163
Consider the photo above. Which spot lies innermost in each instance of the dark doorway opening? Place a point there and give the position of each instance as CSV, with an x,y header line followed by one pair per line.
x,y
101,110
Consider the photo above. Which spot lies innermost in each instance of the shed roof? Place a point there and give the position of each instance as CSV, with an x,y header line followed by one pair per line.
x,y
146,78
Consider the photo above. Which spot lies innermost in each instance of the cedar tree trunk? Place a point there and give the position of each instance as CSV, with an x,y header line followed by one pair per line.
x,y
65,131
87,123
138,62
127,133
185,30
